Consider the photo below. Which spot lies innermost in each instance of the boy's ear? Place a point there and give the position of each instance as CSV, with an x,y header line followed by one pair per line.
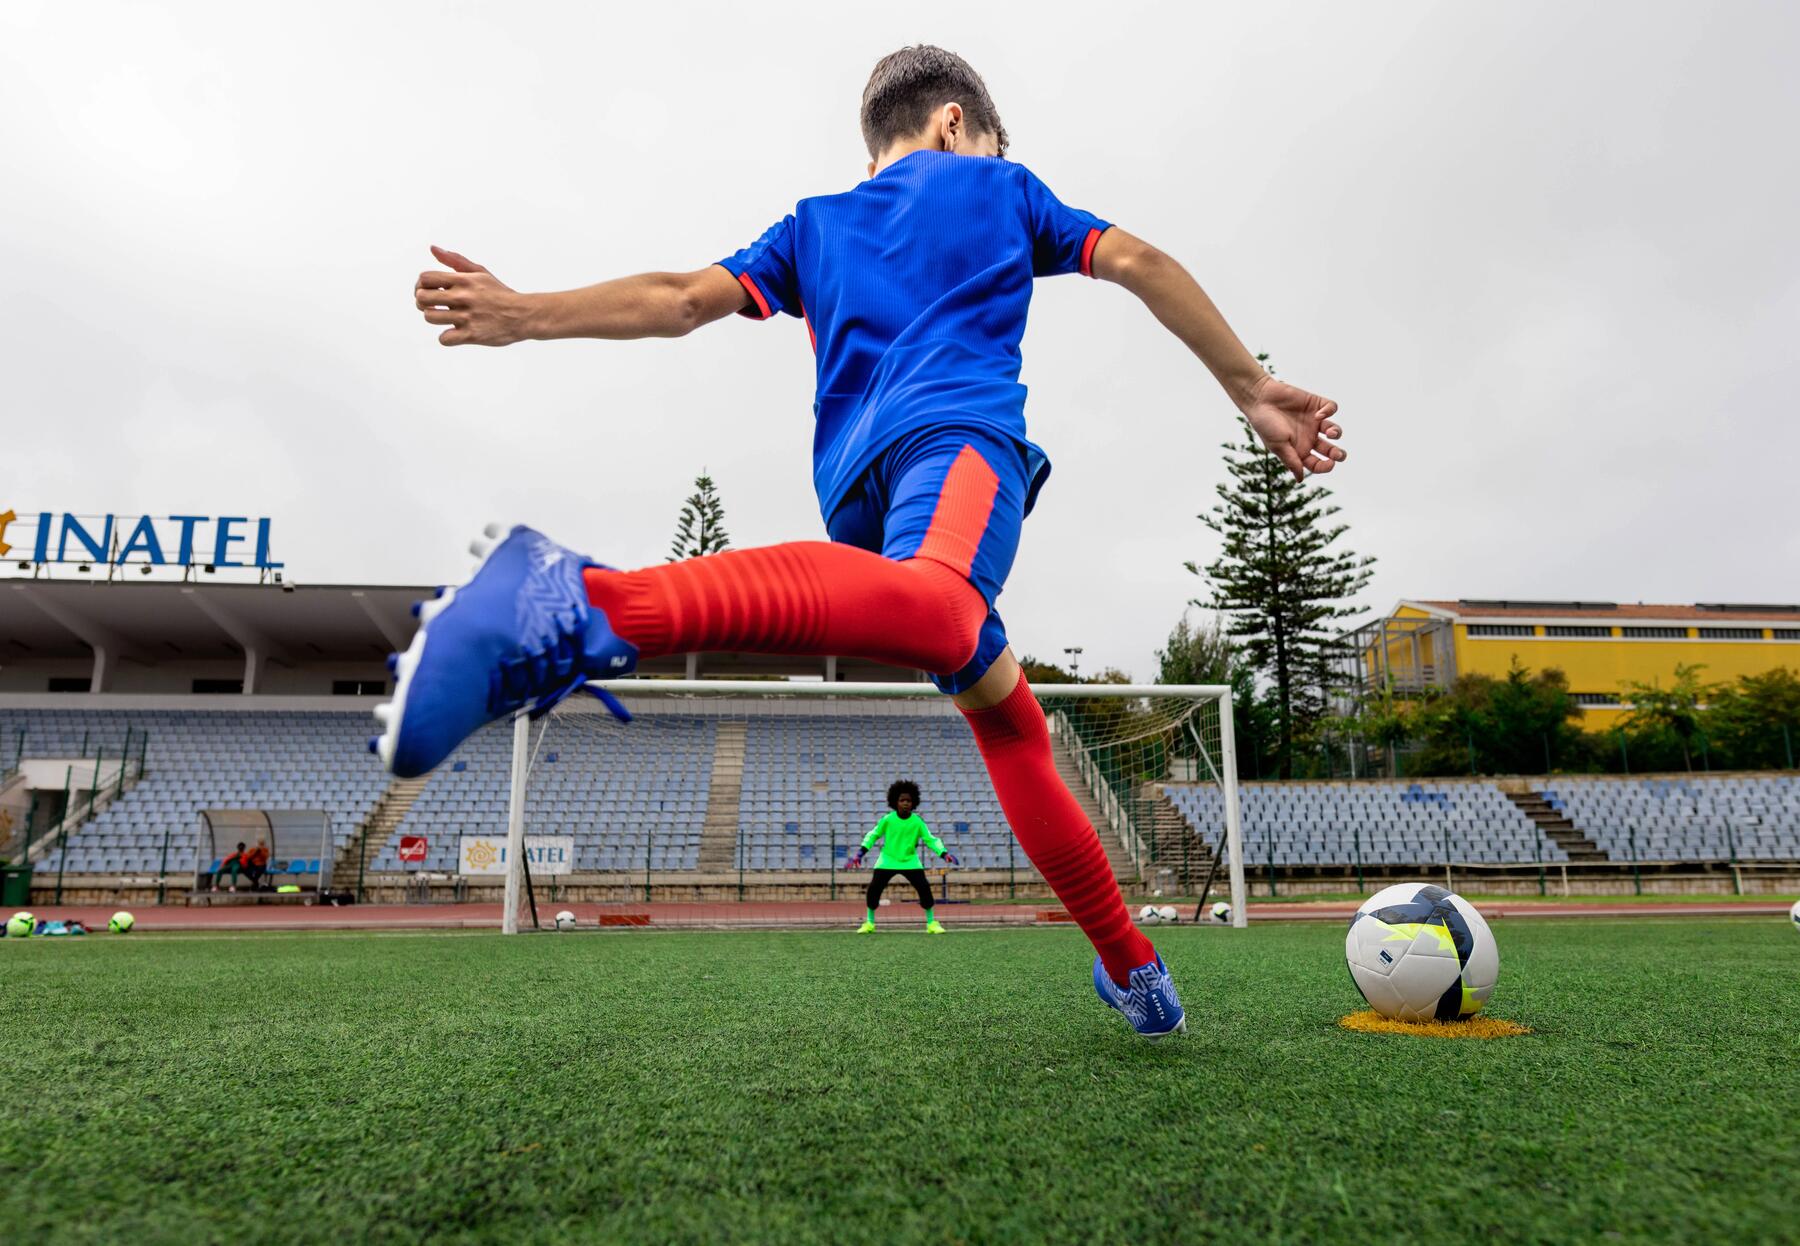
x,y
950,128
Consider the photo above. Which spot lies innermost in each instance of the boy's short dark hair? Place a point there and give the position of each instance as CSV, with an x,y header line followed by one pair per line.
x,y
902,787
907,86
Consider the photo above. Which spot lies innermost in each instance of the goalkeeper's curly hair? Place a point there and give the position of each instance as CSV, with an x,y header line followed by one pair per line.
x,y
902,787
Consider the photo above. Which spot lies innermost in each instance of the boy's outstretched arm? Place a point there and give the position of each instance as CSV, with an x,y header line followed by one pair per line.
x,y
1296,426
481,310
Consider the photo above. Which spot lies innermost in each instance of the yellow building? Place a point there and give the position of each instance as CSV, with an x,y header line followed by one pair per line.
x,y
1600,646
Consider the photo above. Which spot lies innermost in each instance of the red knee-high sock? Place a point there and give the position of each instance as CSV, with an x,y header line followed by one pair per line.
x,y
1015,742
808,597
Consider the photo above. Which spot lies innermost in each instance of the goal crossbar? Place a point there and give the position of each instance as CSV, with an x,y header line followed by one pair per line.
x,y
773,690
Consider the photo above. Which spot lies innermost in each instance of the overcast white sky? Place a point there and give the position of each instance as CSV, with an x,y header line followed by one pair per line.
x,y
1543,254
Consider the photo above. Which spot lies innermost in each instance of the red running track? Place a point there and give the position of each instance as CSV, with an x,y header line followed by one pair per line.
x,y
800,915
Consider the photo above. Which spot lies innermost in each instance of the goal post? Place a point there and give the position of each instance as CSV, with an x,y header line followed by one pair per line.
x,y
773,783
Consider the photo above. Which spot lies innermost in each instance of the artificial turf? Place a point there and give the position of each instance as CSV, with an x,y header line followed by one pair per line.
x,y
641,1086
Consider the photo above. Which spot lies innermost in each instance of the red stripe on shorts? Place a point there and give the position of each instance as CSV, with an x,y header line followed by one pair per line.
x,y
961,518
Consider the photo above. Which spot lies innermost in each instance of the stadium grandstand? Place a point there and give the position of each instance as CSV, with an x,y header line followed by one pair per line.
x,y
1600,646
131,713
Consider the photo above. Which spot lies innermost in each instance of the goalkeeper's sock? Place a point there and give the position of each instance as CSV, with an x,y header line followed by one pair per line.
x,y
928,917
806,597
871,916
1050,826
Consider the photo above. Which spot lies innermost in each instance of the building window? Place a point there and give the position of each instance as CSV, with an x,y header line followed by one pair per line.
x,y
1502,629
358,687
1785,633
71,683
1562,630
1731,633
1654,633
1610,699
234,686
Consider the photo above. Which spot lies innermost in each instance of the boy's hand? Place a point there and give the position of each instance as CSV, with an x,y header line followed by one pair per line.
x,y
951,858
1297,427
480,309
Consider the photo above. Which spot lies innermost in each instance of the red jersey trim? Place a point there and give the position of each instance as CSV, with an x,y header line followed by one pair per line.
x,y
762,304
1087,253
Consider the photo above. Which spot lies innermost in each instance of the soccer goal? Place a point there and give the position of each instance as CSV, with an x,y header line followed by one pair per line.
x,y
764,789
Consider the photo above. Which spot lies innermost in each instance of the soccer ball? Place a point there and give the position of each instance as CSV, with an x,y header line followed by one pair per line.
x,y
20,925
1168,913
1150,915
1795,914
1419,953
121,923
565,920
1221,912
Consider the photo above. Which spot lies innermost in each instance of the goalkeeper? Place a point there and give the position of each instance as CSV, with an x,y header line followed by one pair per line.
x,y
900,832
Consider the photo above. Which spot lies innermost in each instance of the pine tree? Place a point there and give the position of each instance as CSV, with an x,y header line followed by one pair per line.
x,y
701,528
1279,584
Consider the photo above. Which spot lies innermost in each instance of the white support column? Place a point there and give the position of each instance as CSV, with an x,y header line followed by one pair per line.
x,y
259,649
100,678
515,822
693,666
1234,830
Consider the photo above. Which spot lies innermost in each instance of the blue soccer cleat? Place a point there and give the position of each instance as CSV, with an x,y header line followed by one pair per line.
x,y
1149,1003
521,630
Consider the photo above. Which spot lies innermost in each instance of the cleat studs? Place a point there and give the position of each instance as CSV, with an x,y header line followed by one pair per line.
x,y
375,745
393,664
384,713
438,592
494,530
416,607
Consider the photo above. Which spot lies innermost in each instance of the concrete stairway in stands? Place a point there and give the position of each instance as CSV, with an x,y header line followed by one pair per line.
x,y
1556,827
1122,867
379,827
719,833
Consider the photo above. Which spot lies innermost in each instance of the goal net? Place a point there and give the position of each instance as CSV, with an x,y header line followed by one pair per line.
x,y
734,802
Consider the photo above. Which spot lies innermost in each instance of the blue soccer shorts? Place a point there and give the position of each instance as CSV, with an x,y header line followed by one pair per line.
x,y
955,495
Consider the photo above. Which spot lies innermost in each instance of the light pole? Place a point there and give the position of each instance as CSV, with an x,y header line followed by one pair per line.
x,y
1074,653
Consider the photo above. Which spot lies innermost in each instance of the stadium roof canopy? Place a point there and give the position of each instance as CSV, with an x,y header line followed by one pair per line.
x,y
170,626
160,621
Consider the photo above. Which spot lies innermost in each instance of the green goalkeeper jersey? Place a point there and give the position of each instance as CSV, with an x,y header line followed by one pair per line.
x,y
900,841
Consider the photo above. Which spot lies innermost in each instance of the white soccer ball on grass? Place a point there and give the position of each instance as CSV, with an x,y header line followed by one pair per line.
x,y
1169,913
1150,915
1221,912
20,925
121,923
1418,952
1795,914
565,920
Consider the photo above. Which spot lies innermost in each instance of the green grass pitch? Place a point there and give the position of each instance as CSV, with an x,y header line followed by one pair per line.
x,y
818,1087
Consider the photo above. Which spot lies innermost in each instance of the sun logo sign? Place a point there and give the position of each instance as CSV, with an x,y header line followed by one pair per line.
x,y
483,855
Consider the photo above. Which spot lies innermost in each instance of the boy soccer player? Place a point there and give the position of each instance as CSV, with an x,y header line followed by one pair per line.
x,y
914,288
899,833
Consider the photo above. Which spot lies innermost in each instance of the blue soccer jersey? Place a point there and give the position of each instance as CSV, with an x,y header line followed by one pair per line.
x,y
915,287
